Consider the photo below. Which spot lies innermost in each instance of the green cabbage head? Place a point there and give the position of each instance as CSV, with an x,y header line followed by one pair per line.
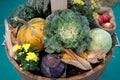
x,y
66,29
100,39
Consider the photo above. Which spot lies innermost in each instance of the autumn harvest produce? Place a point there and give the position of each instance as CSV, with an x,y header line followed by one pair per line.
x,y
66,29
51,66
101,39
43,44
32,32
105,20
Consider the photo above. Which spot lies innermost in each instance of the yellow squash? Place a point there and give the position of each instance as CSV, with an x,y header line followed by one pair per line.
x,y
31,32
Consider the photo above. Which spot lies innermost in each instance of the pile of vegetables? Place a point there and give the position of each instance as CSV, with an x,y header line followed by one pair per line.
x,y
50,42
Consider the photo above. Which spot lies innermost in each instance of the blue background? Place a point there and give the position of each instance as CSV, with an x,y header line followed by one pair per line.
x,y
7,71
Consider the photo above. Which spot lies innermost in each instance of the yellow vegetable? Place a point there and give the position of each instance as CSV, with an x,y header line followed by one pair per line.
x,y
31,32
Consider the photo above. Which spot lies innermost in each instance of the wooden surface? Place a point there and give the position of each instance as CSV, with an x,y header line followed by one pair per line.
x,y
58,5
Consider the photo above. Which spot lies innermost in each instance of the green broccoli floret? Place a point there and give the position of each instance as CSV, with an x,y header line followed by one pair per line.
x,y
66,29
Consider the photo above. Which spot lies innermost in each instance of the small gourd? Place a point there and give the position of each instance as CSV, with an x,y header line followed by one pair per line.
x,y
31,32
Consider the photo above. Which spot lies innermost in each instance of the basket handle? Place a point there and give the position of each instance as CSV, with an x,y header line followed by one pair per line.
x,y
58,5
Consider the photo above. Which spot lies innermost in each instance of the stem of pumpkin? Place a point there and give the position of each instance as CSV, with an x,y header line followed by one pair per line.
x,y
21,20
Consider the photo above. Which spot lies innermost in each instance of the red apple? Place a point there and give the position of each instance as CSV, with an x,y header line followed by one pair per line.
x,y
106,18
100,19
107,25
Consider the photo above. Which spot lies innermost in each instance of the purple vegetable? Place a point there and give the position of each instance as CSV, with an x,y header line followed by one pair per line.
x,y
51,66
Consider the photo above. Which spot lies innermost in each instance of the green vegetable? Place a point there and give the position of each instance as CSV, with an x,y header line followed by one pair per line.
x,y
66,29
25,12
41,6
101,39
31,9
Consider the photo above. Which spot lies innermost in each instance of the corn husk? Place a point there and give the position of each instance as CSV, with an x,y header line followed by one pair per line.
x,y
93,56
76,60
8,38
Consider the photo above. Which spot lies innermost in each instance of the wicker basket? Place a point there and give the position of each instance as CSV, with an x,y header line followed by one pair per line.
x,y
93,74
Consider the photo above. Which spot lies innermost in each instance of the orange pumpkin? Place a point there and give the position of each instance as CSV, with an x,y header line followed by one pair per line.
x,y
31,32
